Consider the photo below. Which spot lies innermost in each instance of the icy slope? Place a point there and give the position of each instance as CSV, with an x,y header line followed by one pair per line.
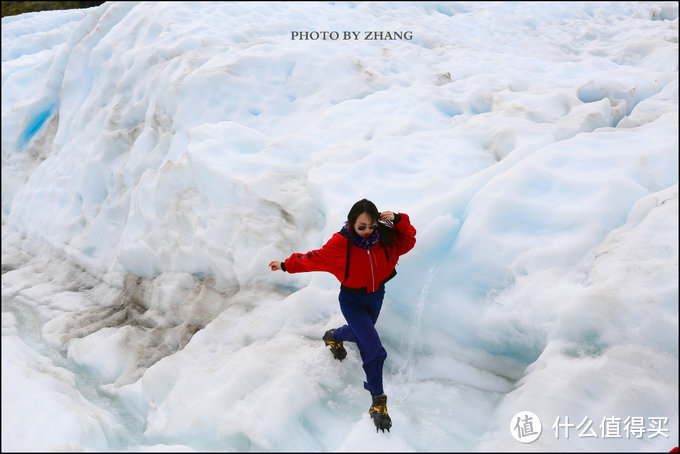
x,y
156,156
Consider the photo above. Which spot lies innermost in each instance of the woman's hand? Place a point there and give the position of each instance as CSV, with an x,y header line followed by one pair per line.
x,y
387,216
275,265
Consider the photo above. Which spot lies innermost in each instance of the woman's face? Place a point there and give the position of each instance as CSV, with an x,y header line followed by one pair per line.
x,y
364,221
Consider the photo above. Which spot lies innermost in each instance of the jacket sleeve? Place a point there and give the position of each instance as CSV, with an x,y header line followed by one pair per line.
x,y
405,238
329,258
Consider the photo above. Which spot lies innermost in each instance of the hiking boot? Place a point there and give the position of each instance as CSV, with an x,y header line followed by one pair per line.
x,y
337,349
378,412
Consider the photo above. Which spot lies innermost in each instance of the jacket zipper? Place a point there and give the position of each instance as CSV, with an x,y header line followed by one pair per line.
x,y
370,262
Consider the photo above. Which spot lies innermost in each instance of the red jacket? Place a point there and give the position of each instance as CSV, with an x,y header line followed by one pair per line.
x,y
367,267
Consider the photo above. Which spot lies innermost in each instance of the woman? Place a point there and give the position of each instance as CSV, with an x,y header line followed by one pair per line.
x,y
362,255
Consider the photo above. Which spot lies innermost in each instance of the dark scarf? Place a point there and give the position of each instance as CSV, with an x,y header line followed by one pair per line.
x,y
360,241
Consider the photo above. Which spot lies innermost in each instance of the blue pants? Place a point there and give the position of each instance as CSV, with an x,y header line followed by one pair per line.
x,y
361,313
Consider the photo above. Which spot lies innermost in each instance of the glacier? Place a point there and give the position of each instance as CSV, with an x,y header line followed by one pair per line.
x,y
157,155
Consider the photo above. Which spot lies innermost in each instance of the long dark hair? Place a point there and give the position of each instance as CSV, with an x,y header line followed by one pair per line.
x,y
368,207
386,232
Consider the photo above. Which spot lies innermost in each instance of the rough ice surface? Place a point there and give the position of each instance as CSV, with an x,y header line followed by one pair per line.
x,y
156,156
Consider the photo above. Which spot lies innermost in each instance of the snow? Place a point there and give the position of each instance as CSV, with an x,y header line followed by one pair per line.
x,y
156,156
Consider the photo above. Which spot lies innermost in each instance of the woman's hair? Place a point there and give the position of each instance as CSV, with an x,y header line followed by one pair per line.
x,y
368,207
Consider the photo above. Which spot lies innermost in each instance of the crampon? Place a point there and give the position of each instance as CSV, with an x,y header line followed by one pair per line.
x,y
337,349
378,412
